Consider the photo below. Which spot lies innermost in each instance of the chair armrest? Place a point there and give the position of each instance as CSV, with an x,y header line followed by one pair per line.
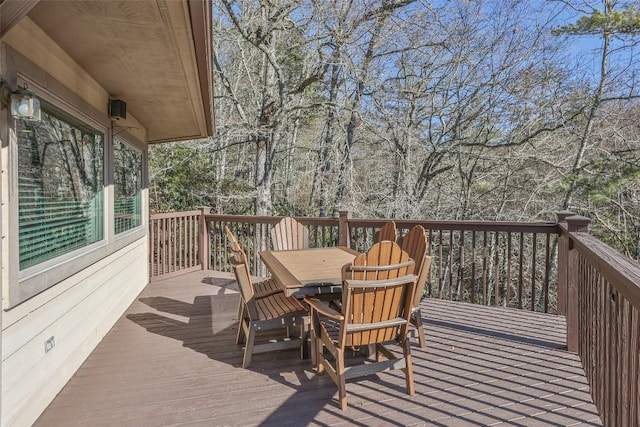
x,y
381,283
324,309
396,266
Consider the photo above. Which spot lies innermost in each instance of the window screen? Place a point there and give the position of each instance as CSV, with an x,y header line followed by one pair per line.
x,y
60,185
128,186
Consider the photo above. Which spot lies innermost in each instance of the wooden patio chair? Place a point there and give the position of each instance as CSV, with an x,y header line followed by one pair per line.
x,y
261,288
289,234
267,312
416,245
387,232
376,306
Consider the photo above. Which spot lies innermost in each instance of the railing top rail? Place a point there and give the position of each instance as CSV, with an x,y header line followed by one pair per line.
x,y
516,227
174,214
252,219
525,227
623,273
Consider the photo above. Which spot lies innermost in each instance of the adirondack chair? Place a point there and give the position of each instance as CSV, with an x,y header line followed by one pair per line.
x,y
416,245
376,306
289,234
387,232
265,313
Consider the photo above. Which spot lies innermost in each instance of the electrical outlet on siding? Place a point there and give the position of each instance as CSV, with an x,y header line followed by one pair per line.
x,y
49,344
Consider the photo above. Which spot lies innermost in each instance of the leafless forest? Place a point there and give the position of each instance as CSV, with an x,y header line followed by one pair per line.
x,y
461,109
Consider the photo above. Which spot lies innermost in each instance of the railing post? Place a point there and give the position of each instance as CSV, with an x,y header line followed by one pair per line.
x,y
343,229
205,240
563,260
575,224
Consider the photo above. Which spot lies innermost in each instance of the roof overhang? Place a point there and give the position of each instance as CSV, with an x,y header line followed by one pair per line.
x,y
153,54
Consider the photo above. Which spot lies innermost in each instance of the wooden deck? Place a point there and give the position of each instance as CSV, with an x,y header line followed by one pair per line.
x,y
172,360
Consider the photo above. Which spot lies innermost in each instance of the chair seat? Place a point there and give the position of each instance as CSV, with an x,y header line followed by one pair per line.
x,y
277,305
265,288
330,328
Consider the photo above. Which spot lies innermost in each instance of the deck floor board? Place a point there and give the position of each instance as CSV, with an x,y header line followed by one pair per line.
x,y
171,359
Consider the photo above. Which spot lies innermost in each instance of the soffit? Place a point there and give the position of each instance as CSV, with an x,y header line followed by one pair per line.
x,y
146,53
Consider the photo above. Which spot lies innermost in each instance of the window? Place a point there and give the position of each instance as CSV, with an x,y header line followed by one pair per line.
x,y
127,164
60,186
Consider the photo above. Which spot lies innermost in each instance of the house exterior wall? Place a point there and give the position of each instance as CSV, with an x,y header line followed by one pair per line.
x,y
3,137
84,299
77,312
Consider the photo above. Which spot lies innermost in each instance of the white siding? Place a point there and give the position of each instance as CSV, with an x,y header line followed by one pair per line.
x,y
77,312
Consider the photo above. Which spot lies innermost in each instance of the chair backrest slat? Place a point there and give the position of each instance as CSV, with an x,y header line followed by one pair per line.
x,y
240,266
289,234
422,279
415,243
387,232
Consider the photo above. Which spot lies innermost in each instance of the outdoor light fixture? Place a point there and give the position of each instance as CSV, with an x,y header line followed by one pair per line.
x,y
117,109
25,105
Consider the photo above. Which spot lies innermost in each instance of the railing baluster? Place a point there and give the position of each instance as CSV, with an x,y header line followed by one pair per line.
x,y
440,266
165,237
451,265
172,244
508,273
547,266
621,366
188,241
473,267
634,367
608,358
484,269
533,272
496,271
461,268
152,245
521,272
603,344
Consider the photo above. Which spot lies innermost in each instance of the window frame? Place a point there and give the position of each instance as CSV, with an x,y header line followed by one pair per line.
x,y
21,285
29,271
136,145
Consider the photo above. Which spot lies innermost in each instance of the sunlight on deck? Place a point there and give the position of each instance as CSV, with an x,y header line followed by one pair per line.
x,y
172,360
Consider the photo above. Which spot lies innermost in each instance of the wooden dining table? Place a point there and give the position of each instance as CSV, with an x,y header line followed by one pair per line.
x,y
314,271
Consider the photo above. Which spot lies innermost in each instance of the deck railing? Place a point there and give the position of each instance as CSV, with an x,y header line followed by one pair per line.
x,y
506,264
174,243
492,263
603,319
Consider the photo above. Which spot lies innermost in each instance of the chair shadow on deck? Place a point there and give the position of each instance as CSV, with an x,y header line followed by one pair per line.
x,y
223,284
211,330
198,333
